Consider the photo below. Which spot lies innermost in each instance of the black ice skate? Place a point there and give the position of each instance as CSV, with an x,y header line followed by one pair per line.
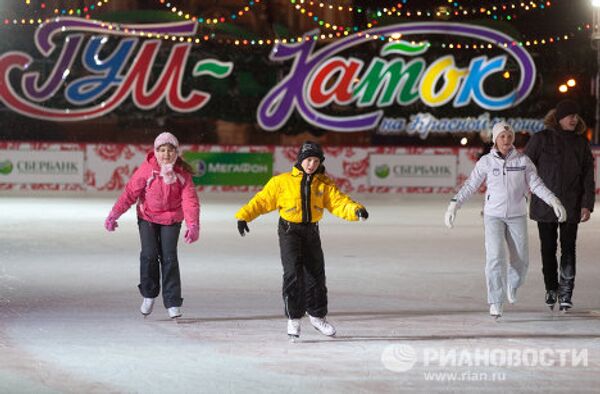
x,y
565,303
551,299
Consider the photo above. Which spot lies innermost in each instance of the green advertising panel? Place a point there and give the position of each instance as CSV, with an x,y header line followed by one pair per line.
x,y
230,169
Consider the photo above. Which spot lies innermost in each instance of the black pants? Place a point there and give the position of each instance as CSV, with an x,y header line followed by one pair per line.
x,y
304,287
159,255
548,239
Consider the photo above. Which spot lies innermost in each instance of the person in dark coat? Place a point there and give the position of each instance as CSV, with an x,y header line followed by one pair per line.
x,y
565,163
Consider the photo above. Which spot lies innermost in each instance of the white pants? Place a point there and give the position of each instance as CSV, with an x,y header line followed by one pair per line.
x,y
499,233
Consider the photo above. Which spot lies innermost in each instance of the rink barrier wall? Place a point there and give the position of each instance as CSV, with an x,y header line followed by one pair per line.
x,y
107,167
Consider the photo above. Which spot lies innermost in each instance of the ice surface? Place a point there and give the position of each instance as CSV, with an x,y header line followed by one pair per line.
x,y
401,285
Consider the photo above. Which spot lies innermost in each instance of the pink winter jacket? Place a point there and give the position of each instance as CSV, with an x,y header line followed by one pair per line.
x,y
158,202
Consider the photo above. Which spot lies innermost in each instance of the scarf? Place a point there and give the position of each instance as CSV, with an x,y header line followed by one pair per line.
x,y
167,173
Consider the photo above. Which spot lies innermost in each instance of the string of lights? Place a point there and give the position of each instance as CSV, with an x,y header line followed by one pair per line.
x,y
203,38
504,11
43,12
299,5
209,20
338,32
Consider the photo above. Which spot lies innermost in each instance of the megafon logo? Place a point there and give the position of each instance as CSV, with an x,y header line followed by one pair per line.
x,y
200,166
320,78
116,71
6,167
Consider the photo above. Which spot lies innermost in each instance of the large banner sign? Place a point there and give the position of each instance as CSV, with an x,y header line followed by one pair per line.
x,y
112,78
121,62
398,76
56,167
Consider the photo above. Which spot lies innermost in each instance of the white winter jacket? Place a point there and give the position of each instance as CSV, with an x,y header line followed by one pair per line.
x,y
508,182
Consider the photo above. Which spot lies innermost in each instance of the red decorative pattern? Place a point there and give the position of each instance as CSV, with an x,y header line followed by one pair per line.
x,y
113,152
290,153
356,169
119,179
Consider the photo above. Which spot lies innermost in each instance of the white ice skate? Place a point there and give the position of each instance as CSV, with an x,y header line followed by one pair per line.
x,y
293,329
174,312
511,294
496,310
322,325
146,307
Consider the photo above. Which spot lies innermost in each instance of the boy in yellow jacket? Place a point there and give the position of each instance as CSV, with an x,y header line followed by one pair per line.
x,y
301,197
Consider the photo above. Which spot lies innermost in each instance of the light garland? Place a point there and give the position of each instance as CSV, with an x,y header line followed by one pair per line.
x,y
82,12
79,11
458,10
203,38
298,6
207,20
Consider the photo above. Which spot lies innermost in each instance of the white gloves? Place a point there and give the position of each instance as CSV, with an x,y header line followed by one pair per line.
x,y
559,210
450,214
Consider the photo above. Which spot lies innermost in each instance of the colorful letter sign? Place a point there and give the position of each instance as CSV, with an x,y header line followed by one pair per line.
x,y
321,77
123,73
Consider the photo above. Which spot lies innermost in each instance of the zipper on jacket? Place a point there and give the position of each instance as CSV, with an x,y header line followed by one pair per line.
x,y
505,179
305,196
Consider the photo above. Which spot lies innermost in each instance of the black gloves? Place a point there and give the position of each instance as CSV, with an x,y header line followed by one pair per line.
x,y
362,214
243,227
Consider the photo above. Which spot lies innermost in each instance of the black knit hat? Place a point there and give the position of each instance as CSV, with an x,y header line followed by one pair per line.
x,y
310,149
565,108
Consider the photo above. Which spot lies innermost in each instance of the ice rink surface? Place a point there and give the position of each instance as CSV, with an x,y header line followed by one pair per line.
x,y
406,294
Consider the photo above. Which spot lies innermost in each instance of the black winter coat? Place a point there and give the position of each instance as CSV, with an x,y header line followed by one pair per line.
x,y
565,163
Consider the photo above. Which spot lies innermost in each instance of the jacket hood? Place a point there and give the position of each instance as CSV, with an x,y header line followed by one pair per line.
x,y
550,122
151,159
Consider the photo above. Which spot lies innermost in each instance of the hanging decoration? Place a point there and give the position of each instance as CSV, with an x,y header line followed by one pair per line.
x,y
209,20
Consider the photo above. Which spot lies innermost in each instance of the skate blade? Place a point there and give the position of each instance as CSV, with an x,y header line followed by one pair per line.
x,y
293,338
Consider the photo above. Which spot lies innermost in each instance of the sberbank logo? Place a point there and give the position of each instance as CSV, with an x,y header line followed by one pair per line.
x,y
382,171
6,167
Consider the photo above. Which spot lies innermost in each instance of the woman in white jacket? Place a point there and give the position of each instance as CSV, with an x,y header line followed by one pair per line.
x,y
509,176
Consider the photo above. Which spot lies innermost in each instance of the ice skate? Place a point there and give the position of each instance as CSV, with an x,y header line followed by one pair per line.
x,y
551,299
293,329
511,294
146,307
174,312
322,325
565,303
496,310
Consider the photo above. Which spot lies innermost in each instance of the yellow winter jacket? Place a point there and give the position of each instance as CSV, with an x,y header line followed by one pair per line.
x,y
284,192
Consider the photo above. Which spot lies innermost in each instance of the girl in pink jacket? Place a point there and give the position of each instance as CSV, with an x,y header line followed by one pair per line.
x,y
165,193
